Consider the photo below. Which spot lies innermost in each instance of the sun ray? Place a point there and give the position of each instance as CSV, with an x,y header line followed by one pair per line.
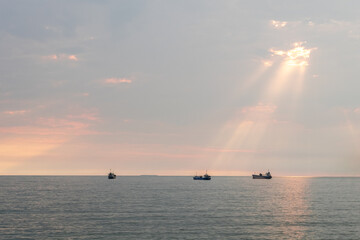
x,y
248,131
277,83
248,82
260,71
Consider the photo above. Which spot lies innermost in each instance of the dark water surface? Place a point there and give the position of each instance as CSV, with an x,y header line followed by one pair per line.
x,y
34,207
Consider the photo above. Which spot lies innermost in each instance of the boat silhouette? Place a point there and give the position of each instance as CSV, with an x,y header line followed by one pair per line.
x,y
262,176
111,175
205,177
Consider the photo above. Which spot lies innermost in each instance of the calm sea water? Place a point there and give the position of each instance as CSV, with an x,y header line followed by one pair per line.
x,y
33,207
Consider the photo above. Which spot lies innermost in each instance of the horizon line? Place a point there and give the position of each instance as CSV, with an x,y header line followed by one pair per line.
x,y
157,175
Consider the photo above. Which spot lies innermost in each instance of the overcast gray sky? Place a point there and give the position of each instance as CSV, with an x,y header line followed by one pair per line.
x,y
178,87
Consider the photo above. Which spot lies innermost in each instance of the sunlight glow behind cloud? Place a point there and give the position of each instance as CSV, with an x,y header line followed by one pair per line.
x,y
278,24
297,56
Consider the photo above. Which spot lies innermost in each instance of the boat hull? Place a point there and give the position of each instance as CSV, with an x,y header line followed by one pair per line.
x,y
111,176
261,177
201,178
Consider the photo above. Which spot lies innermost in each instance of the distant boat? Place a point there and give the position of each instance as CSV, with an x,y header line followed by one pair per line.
x,y
205,177
261,176
111,175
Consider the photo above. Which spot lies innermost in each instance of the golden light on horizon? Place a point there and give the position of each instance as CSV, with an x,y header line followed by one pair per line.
x,y
27,147
15,151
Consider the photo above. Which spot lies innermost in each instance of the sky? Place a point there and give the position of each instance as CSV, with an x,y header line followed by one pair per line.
x,y
180,87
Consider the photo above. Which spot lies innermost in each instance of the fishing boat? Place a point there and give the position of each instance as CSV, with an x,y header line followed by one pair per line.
x,y
205,177
262,176
111,175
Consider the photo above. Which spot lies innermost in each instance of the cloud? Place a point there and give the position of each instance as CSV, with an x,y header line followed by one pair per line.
x,y
357,110
51,57
16,112
278,24
61,57
72,57
117,80
331,26
353,112
297,56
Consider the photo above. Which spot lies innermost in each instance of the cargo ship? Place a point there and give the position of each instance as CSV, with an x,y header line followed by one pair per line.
x,y
205,177
262,176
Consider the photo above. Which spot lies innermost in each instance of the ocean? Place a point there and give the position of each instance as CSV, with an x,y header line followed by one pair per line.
x,y
150,207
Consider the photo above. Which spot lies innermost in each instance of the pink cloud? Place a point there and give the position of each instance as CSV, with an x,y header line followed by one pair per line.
x,y
351,111
73,57
50,57
357,110
17,112
117,80
58,57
